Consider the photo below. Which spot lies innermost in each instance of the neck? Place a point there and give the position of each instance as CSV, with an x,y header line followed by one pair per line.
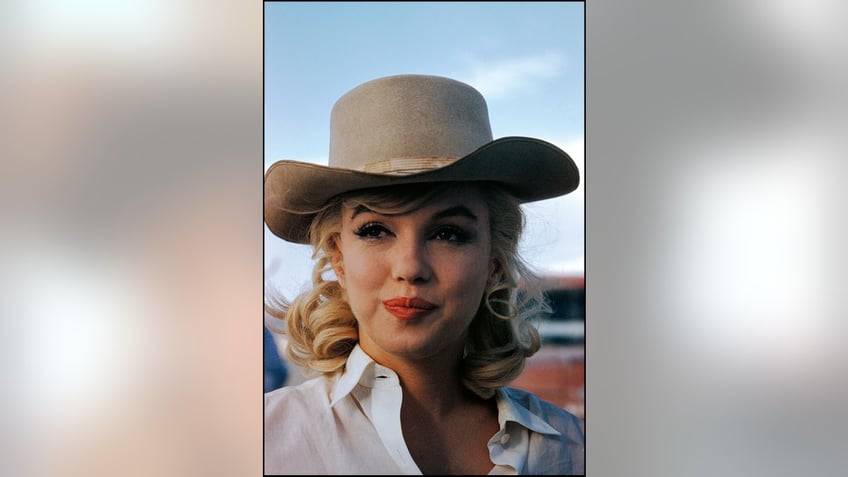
x,y
437,393
432,384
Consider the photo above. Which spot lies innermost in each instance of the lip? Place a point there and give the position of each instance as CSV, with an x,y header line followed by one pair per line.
x,y
408,308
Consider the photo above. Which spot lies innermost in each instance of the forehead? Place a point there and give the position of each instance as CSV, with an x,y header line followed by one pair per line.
x,y
409,199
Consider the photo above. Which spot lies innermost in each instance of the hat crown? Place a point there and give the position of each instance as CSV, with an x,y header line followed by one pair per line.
x,y
406,124
411,129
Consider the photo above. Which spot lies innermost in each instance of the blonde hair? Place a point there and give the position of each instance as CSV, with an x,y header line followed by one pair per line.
x,y
322,330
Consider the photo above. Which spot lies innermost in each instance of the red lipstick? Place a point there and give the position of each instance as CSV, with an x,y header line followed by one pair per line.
x,y
407,308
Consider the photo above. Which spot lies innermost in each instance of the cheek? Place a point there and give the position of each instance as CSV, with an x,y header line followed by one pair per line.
x,y
355,272
469,276
359,271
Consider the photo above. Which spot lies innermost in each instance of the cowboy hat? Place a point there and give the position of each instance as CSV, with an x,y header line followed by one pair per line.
x,y
410,129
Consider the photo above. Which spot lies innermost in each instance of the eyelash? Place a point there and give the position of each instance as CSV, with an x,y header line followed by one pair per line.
x,y
368,230
376,231
461,235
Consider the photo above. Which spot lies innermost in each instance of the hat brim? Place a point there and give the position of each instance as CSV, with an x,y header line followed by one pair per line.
x,y
529,168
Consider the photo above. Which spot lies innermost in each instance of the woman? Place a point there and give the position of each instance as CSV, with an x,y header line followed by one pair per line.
x,y
414,322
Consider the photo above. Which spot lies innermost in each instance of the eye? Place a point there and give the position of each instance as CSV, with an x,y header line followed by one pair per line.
x,y
371,230
452,234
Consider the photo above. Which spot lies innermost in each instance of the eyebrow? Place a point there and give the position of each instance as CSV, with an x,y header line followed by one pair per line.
x,y
455,211
358,210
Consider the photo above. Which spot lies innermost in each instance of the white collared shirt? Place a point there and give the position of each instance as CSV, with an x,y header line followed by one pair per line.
x,y
351,425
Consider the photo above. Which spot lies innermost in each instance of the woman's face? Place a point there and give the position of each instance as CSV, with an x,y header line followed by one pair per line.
x,y
415,281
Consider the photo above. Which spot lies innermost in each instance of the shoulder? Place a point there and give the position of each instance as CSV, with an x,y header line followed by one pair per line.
x,y
295,419
570,426
296,410
561,452
292,401
308,389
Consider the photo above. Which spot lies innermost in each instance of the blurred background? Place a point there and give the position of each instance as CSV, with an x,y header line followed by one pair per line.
x,y
132,245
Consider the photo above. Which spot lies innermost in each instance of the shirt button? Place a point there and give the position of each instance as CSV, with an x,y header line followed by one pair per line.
x,y
504,439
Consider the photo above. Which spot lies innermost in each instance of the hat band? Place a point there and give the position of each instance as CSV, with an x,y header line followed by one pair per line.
x,y
402,166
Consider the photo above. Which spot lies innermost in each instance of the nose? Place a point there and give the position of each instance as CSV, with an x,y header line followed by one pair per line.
x,y
410,262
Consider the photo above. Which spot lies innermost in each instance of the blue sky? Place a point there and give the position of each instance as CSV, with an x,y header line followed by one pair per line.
x,y
526,58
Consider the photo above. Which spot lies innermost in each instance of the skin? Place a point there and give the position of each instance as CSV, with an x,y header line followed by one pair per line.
x,y
439,253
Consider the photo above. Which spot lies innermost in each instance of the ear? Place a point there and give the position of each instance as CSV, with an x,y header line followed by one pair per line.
x,y
495,271
338,268
337,261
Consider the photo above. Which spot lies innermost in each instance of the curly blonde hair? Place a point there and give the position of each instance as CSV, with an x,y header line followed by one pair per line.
x,y
322,330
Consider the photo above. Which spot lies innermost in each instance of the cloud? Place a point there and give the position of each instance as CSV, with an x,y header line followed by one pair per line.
x,y
553,239
503,79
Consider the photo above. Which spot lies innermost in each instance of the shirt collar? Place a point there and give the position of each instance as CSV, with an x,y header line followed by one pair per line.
x,y
516,409
359,365
360,368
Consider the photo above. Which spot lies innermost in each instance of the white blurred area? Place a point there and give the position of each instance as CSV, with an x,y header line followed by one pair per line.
x,y
759,282
132,245
716,232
